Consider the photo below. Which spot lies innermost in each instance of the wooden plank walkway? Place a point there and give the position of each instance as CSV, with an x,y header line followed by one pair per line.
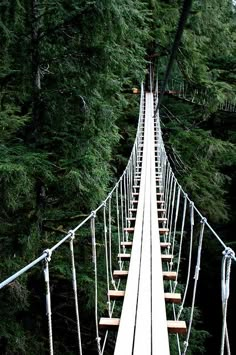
x,y
143,327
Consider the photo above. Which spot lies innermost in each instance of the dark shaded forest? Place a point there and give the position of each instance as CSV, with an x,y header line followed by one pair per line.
x,y
68,120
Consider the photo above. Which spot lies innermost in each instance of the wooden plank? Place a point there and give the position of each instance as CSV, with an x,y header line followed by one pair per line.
x,y
143,324
172,297
116,294
163,230
160,340
176,327
169,275
120,274
109,323
162,219
129,229
166,257
143,336
126,244
131,218
124,256
165,244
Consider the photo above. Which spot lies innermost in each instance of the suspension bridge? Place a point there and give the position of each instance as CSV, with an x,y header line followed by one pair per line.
x,y
148,220
199,96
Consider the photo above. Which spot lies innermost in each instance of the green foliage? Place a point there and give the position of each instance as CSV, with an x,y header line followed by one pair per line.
x,y
67,122
206,158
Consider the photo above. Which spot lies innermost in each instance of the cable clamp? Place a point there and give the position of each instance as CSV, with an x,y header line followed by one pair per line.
x,y
185,346
228,253
98,339
203,220
93,213
72,237
104,204
49,254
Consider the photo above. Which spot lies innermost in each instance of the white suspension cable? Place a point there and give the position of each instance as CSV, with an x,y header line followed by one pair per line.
x,y
75,289
94,254
110,242
118,224
189,259
181,241
106,259
196,277
228,254
169,197
172,211
122,212
175,225
48,298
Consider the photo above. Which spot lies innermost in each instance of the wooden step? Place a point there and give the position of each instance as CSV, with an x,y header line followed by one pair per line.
x,y
176,327
129,229
169,297
160,201
169,275
120,274
162,219
135,193
165,244
136,186
166,257
134,201
172,297
129,244
116,294
133,209
109,323
131,218
161,210
160,193
124,256
126,244
163,230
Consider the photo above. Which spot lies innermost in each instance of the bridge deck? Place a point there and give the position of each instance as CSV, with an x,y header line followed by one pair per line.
x,y
143,324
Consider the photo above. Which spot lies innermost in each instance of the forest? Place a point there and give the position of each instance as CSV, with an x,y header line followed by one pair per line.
x,y
68,119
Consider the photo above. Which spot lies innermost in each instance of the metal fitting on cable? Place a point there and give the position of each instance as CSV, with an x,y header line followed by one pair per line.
x,y
49,254
72,234
104,204
185,346
203,220
93,213
228,253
